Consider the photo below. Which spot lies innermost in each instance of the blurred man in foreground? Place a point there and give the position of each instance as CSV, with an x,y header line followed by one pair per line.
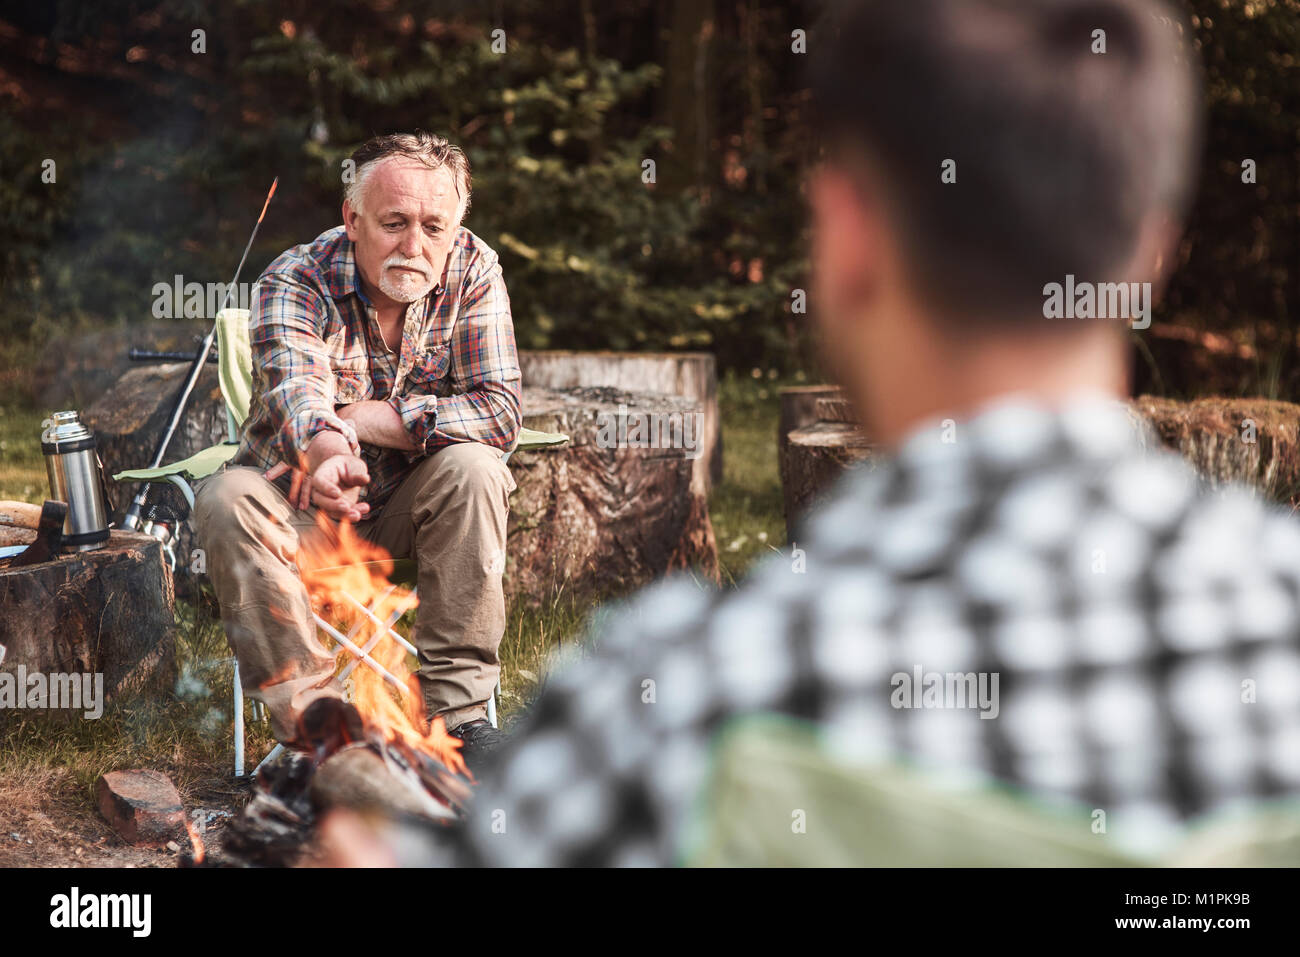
x,y
982,158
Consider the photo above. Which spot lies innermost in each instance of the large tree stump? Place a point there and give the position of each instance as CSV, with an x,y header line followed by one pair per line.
x,y
598,519
819,438
90,363
594,519
105,611
692,375
1255,442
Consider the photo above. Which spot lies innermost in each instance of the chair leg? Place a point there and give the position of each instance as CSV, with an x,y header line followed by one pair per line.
x,y
239,723
274,753
492,704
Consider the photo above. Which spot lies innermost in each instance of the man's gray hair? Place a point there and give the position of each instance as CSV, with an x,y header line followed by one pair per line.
x,y
430,149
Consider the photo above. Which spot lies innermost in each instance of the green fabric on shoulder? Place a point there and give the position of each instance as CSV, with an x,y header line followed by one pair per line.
x,y
777,797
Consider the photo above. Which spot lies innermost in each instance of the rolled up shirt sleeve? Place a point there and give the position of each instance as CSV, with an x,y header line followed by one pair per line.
x,y
291,367
483,374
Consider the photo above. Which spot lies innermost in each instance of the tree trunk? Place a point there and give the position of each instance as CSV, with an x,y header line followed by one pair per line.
x,y
692,375
688,94
105,611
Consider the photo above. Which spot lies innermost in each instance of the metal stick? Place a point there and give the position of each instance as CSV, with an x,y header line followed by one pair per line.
x,y
352,646
373,617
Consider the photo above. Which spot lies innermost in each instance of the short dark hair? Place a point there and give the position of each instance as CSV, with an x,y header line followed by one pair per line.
x,y
1060,152
428,148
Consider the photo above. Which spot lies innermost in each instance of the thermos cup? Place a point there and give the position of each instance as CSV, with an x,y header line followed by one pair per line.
x,y
76,477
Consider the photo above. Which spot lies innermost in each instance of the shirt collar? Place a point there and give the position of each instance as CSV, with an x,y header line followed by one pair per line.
x,y
1015,431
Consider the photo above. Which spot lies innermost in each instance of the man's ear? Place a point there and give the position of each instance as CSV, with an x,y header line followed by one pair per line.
x,y
350,219
847,253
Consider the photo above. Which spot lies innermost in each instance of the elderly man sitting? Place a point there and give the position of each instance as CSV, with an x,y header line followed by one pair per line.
x,y
385,393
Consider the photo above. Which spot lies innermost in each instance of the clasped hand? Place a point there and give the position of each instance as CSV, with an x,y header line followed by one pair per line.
x,y
333,486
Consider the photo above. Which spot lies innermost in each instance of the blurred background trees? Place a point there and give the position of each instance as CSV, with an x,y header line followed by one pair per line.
x,y
162,155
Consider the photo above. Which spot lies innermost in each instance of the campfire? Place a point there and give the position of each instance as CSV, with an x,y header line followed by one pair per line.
x,y
377,752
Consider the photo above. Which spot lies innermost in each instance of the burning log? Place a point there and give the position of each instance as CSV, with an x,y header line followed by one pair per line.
x,y
294,794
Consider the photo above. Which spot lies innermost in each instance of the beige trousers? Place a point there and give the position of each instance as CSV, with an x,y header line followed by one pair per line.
x,y
449,515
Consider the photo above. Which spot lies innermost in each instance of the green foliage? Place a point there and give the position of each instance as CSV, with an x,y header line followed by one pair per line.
x,y
594,256
165,156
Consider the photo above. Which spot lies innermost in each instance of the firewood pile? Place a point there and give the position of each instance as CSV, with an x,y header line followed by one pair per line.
x,y
350,766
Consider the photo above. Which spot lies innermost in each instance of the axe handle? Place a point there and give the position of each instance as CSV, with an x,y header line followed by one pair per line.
x,y
20,514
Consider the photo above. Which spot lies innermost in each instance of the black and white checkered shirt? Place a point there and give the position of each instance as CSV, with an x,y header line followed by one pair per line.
x,y
1143,629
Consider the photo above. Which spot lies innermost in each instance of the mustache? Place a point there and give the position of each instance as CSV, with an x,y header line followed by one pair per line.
x,y
415,264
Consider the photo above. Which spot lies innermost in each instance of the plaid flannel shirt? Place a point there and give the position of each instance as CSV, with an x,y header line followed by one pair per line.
x,y
316,346
1124,605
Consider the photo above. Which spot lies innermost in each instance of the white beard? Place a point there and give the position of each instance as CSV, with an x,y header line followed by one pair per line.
x,y
404,286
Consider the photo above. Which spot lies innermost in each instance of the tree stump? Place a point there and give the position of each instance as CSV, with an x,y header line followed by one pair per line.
x,y
1255,442
692,375
106,611
814,459
594,519
90,363
130,418
799,408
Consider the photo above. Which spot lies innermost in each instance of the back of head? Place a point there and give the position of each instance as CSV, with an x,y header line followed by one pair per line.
x,y
1070,124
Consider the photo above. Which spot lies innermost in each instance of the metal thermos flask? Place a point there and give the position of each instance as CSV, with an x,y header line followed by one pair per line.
x,y
76,477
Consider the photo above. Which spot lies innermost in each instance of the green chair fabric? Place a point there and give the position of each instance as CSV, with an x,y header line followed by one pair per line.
x,y
197,466
235,363
235,373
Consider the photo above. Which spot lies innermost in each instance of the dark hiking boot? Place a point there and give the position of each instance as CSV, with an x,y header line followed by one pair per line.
x,y
481,739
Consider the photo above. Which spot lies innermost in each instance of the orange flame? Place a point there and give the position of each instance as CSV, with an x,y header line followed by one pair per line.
x,y
345,575
196,842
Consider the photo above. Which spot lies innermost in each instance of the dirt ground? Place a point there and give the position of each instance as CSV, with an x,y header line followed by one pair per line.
x,y
52,822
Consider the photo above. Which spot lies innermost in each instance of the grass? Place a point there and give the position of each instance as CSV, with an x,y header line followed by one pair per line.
x,y
22,467
188,736
746,507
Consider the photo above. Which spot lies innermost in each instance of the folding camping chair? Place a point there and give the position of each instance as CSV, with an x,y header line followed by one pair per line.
x,y
235,373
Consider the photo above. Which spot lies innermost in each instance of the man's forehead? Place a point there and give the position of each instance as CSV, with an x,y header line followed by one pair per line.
x,y
404,185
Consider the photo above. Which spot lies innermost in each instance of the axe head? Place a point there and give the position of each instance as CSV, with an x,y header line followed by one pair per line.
x,y
49,536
